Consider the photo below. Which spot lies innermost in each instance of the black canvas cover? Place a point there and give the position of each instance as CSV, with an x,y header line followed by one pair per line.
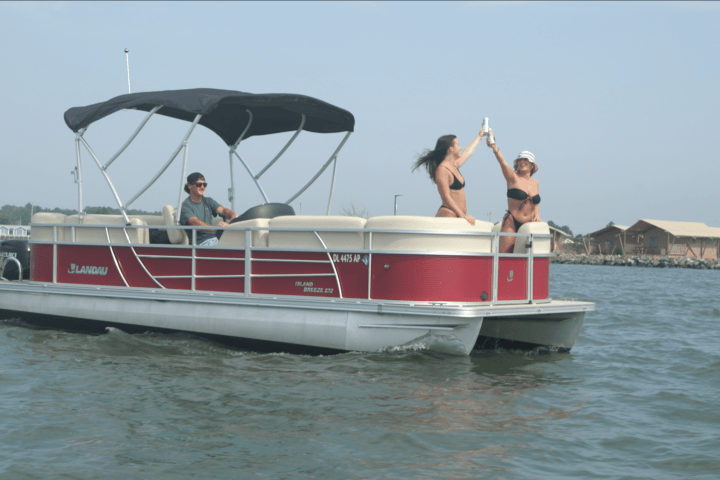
x,y
224,111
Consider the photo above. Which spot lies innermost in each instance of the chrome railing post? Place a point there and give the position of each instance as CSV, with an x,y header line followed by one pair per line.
x,y
369,282
248,262
55,253
496,267
192,246
530,268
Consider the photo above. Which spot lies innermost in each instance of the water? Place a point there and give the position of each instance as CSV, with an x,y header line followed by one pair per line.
x,y
637,397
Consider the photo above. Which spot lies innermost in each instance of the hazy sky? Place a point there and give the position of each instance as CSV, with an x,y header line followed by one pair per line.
x,y
618,101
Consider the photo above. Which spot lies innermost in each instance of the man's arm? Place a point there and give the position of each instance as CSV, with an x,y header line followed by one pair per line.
x,y
196,222
229,214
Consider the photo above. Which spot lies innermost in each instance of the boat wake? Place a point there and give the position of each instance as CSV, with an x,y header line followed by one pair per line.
x,y
448,344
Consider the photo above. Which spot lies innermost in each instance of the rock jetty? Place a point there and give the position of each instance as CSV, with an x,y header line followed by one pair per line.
x,y
636,261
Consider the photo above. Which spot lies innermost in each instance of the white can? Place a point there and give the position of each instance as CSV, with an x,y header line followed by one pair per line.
x,y
485,126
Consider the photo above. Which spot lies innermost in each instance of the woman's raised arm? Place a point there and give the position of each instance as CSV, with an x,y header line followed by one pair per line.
x,y
507,170
470,149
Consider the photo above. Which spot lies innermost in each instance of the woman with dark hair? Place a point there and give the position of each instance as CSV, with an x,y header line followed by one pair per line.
x,y
443,166
523,194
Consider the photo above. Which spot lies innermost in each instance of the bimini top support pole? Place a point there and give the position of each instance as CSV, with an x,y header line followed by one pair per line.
x,y
167,164
302,124
122,149
107,178
247,167
231,190
77,171
332,185
322,169
182,184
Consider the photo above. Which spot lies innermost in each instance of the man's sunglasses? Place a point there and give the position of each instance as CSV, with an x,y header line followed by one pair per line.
x,y
200,184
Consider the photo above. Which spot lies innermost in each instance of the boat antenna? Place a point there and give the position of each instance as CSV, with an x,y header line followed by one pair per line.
x,y
127,61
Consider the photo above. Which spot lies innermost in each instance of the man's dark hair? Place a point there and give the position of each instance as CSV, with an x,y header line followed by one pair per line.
x,y
192,178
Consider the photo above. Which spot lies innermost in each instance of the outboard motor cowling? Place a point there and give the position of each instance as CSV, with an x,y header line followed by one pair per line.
x,y
14,249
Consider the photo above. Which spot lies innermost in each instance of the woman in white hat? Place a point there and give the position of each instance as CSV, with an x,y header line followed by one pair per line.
x,y
523,194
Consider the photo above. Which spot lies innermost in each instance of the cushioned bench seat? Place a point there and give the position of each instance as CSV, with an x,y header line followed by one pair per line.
x,y
418,242
150,220
334,240
101,235
234,237
45,234
540,245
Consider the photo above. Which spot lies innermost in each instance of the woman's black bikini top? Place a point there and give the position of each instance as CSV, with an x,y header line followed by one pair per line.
x,y
518,194
456,185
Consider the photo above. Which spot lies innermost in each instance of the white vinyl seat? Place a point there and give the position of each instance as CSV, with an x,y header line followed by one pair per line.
x,y
332,240
540,245
176,236
69,221
234,236
45,234
102,234
420,242
150,220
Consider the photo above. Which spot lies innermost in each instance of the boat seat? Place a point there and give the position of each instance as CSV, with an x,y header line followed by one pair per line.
x,y
540,245
333,240
150,220
235,235
100,235
45,234
71,220
418,242
176,236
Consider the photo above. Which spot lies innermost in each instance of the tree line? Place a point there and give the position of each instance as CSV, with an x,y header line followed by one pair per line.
x,y
20,215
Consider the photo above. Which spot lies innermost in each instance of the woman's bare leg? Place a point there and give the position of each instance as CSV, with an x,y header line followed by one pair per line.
x,y
507,244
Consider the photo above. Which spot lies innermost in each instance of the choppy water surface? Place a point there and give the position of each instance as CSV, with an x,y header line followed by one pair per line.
x,y
638,397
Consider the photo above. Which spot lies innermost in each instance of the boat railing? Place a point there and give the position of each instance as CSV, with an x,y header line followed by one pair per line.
x,y
366,254
3,264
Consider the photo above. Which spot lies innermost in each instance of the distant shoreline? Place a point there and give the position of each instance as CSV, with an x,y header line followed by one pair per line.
x,y
637,261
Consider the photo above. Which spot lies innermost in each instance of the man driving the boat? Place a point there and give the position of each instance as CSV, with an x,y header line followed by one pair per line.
x,y
199,210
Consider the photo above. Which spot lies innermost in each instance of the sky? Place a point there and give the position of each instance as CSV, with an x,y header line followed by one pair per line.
x,y
618,101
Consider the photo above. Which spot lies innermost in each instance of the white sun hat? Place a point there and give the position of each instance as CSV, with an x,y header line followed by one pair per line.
x,y
529,157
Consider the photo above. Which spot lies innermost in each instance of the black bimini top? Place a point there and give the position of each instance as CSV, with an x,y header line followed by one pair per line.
x,y
225,111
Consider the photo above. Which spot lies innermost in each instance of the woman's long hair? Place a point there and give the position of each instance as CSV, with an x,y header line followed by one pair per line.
x,y
431,159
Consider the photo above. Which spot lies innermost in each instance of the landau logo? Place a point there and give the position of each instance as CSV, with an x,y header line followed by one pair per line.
x,y
87,270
